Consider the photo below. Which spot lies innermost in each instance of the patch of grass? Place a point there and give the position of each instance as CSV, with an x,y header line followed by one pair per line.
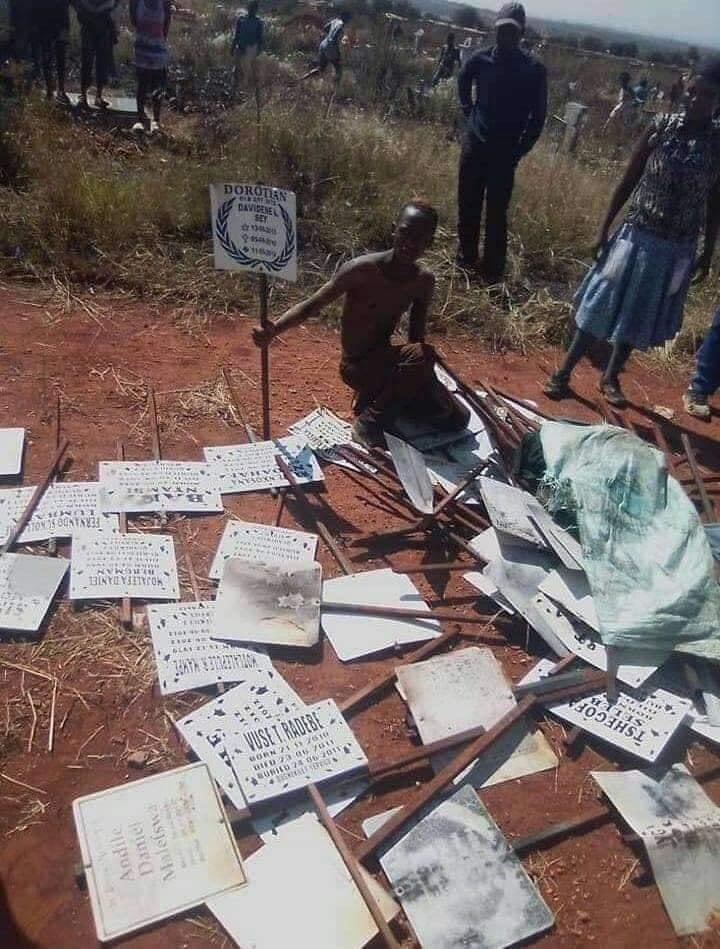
x,y
134,215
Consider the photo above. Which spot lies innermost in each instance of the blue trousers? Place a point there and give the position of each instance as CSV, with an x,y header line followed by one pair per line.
x,y
707,371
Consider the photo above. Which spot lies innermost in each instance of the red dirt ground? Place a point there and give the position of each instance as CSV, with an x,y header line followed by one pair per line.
x,y
107,705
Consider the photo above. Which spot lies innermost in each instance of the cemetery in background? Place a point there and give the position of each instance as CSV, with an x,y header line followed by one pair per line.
x,y
172,598
130,215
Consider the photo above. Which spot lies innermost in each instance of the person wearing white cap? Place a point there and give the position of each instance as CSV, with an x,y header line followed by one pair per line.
x,y
505,118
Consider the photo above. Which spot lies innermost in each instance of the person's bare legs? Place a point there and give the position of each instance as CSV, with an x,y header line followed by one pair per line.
x,y
557,386
141,98
60,62
47,67
610,381
156,97
238,73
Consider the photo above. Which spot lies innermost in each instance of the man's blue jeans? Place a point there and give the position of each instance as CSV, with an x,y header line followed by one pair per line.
x,y
707,371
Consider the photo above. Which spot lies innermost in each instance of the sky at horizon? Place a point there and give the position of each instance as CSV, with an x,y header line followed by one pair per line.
x,y
694,21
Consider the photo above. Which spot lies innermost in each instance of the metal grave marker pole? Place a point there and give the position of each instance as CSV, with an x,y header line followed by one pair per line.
x,y
254,230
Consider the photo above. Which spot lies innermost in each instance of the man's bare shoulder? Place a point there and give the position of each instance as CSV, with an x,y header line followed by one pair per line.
x,y
359,271
365,263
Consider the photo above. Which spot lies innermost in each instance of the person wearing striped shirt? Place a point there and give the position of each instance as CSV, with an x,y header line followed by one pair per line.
x,y
151,21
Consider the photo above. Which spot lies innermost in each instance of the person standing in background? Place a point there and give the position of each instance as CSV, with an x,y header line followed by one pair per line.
x,y
329,52
505,119
247,45
50,21
448,59
706,380
677,91
97,37
151,21
634,295
466,50
623,111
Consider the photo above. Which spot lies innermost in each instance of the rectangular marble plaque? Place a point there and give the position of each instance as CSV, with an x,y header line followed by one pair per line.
x,y
154,848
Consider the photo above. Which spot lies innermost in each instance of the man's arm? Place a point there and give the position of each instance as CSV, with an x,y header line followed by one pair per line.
x,y
132,9
538,114
313,306
712,228
466,77
419,310
261,35
167,6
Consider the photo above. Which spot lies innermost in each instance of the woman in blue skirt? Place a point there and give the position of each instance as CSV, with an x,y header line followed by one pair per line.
x,y
635,293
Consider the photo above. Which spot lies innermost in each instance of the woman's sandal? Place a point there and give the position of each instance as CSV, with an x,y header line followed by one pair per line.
x,y
612,393
557,386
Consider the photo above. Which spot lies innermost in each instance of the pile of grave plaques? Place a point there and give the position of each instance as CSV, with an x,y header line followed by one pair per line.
x,y
163,845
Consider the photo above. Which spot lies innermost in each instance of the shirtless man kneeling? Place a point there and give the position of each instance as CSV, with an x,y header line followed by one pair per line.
x,y
389,380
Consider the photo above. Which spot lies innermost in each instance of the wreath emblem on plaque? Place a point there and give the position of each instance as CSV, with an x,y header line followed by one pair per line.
x,y
222,231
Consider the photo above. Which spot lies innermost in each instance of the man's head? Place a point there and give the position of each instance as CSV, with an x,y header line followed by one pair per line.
x,y
252,8
702,95
415,230
345,15
509,26
451,39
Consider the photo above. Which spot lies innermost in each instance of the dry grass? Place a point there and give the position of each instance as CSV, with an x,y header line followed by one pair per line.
x,y
132,218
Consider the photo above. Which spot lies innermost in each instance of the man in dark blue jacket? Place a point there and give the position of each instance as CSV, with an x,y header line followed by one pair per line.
x,y
504,120
247,45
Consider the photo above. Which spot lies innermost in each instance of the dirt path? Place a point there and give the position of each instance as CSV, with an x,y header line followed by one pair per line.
x,y
107,703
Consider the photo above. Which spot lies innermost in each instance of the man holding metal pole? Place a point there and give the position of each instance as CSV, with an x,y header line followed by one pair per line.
x,y
388,379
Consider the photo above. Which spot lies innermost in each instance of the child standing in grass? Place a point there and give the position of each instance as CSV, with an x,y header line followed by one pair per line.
x,y
151,20
635,293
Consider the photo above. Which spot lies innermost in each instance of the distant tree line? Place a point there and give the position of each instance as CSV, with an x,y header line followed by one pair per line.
x,y
630,50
